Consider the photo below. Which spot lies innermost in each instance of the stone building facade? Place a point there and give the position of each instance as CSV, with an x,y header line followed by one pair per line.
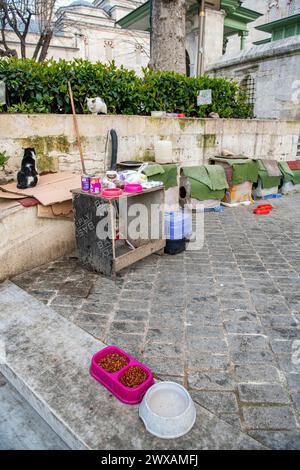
x,y
269,67
271,10
270,74
223,19
90,31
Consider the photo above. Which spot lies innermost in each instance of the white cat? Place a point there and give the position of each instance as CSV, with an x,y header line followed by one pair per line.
x,y
96,105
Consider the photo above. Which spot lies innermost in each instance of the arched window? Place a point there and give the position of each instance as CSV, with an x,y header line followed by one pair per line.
x,y
248,86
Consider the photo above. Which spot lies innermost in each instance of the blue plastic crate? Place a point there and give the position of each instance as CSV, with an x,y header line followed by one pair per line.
x,y
178,224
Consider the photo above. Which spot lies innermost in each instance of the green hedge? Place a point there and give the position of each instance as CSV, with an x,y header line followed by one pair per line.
x,y
42,88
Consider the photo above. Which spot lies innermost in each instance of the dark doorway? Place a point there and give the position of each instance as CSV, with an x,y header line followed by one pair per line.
x,y
187,64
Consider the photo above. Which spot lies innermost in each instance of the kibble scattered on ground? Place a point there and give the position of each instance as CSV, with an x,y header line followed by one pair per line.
x,y
224,320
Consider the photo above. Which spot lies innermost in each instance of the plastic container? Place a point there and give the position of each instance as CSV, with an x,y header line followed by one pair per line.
x,y
112,192
178,224
111,380
167,410
163,151
263,209
133,188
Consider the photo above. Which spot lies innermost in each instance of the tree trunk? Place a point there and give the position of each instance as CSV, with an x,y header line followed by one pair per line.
x,y
46,43
168,35
23,49
38,46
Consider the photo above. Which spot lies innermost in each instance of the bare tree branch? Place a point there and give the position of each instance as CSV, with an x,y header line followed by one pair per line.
x,y
17,15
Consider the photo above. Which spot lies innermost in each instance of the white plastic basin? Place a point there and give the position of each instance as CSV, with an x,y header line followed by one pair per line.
x,y
167,410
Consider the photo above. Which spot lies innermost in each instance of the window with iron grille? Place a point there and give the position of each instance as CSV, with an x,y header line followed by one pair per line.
x,y
248,86
298,149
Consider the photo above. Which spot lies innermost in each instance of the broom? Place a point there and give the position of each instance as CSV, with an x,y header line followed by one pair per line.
x,y
76,128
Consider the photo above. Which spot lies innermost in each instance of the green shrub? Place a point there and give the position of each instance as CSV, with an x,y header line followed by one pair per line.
x,y
3,159
43,88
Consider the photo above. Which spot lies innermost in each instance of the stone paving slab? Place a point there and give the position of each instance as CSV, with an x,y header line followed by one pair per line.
x,y
47,360
219,319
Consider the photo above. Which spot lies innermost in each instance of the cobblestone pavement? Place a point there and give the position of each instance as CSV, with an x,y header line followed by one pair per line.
x,y
224,321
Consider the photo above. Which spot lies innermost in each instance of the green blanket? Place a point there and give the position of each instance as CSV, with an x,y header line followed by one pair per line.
x,y
217,177
207,181
202,192
198,173
266,180
167,174
288,174
152,170
243,169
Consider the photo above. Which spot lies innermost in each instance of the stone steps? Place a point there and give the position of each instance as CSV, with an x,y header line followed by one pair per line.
x,y
21,428
46,358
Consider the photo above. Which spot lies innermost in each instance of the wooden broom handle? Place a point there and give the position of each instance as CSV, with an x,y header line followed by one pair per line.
x,y
76,128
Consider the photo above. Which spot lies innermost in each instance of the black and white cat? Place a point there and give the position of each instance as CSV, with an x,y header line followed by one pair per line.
x,y
27,177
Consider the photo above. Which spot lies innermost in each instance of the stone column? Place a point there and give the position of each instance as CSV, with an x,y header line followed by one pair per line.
x,y
243,35
213,36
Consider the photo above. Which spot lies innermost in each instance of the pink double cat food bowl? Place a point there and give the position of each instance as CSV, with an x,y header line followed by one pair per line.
x,y
121,382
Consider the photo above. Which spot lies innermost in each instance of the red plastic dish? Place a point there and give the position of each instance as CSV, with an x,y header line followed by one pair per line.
x,y
263,209
133,188
111,380
261,212
112,192
265,206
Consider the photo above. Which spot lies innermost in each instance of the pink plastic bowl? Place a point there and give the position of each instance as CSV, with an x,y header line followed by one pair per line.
x,y
111,380
111,192
133,188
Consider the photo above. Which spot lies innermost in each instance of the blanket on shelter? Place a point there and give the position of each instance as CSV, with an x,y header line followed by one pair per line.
x,y
288,174
207,181
243,169
294,165
269,173
167,174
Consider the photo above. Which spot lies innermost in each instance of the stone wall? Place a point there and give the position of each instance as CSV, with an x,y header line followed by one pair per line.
x,y
275,70
194,140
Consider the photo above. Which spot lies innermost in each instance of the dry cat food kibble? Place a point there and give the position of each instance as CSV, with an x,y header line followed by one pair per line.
x,y
134,377
113,362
